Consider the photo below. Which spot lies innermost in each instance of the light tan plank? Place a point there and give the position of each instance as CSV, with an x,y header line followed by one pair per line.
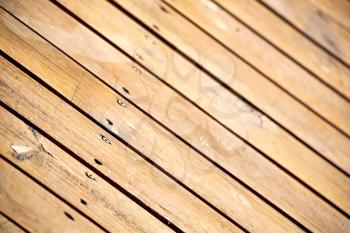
x,y
197,128
339,10
219,61
318,25
266,58
293,43
188,166
247,165
60,172
121,164
6,226
35,208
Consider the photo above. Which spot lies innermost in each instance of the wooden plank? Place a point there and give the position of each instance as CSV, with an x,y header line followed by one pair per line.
x,y
35,208
319,26
58,171
216,59
291,42
247,165
339,10
197,128
120,163
188,167
268,59
6,226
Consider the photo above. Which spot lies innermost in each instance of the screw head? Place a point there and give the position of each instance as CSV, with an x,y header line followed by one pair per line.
x,y
121,103
106,140
90,175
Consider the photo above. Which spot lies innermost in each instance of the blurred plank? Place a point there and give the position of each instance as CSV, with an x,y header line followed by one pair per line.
x,y
6,226
339,10
35,208
60,172
290,41
265,57
133,173
319,26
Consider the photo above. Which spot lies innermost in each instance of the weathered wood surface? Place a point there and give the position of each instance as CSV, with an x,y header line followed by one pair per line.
x,y
293,43
138,125
225,66
63,72
312,17
6,226
143,134
264,56
121,164
191,165
251,125
339,10
57,170
35,208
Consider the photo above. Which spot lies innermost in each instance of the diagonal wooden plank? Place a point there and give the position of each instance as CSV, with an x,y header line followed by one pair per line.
x,y
121,164
293,43
35,208
6,226
269,60
339,10
237,75
321,28
249,166
160,146
58,171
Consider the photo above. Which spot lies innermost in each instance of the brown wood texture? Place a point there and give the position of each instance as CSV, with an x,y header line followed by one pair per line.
x,y
220,62
60,172
167,115
339,10
188,167
264,56
248,123
293,43
315,21
58,79
132,172
35,208
6,226
139,139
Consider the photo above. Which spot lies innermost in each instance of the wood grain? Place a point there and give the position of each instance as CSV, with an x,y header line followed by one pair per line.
x,y
111,66
317,24
265,57
6,226
339,10
121,164
216,59
163,148
20,198
259,173
293,43
60,172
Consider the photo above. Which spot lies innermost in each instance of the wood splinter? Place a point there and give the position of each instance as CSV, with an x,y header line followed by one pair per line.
x,y
22,152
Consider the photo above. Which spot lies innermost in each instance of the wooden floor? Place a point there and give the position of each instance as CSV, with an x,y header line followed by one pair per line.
x,y
175,115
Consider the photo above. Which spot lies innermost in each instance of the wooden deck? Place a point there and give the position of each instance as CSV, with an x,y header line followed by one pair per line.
x,y
175,115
